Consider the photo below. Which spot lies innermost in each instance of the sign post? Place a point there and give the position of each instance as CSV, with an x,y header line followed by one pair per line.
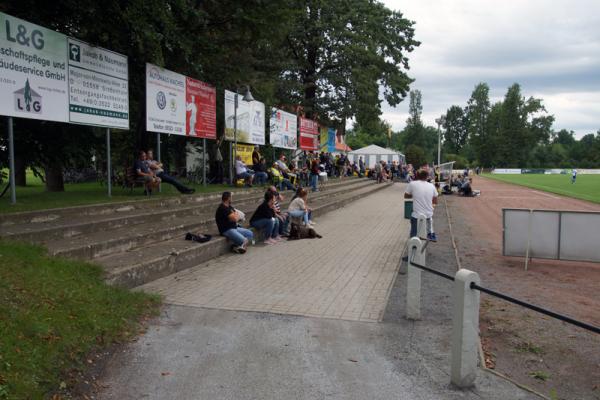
x,y
158,156
204,162
108,164
11,154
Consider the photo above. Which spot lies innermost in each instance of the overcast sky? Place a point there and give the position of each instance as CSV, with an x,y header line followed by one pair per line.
x,y
551,48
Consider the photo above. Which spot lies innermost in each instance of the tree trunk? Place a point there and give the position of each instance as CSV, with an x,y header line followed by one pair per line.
x,y
54,178
180,153
20,171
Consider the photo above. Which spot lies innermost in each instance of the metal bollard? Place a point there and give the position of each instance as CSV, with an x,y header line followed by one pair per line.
x,y
465,329
413,278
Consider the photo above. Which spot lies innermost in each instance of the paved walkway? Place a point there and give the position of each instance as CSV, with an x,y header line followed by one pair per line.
x,y
346,275
197,353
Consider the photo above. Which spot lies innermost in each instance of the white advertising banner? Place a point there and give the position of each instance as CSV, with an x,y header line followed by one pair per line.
x,y
46,75
98,86
250,120
33,71
165,101
283,130
506,171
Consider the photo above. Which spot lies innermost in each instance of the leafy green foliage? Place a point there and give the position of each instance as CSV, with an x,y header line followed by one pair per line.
x,y
415,155
53,312
455,129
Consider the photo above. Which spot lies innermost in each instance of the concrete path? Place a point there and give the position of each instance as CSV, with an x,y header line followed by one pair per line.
x,y
348,274
199,353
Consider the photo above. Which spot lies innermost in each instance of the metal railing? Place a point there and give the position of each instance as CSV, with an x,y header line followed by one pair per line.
x,y
541,310
465,309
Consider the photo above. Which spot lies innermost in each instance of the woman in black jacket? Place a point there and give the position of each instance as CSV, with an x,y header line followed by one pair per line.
x,y
264,219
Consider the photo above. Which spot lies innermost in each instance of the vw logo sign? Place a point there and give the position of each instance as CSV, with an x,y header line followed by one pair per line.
x,y
161,100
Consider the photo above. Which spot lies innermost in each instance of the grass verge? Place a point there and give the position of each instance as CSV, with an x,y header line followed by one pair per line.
x,y
35,197
587,187
53,312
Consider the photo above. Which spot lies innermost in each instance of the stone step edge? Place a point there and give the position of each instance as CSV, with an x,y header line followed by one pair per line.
x,y
84,227
31,216
138,274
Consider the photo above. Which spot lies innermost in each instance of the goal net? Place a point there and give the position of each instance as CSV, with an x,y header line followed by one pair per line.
x,y
445,171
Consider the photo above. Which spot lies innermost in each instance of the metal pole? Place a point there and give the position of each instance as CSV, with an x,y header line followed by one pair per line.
x,y
158,155
235,107
439,143
230,158
204,161
11,164
108,167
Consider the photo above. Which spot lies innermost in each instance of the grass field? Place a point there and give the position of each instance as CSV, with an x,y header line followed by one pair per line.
x,y
34,196
587,187
53,313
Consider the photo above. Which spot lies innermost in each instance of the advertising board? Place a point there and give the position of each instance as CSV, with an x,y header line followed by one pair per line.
x,y
250,120
201,109
283,130
48,76
309,134
165,101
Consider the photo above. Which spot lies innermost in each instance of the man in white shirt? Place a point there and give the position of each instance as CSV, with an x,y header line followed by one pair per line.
x,y
242,172
424,197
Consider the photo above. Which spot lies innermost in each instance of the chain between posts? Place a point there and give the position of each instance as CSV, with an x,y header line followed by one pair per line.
x,y
522,303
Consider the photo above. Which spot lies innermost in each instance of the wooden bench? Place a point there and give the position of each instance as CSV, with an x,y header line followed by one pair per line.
x,y
131,179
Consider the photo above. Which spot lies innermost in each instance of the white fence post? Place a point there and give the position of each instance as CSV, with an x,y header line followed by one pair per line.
x,y
465,329
413,279
422,227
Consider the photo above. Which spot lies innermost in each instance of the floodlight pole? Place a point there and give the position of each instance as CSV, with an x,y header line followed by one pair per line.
x,y
108,166
440,121
11,162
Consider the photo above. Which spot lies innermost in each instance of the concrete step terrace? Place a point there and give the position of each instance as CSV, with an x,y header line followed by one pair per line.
x,y
153,261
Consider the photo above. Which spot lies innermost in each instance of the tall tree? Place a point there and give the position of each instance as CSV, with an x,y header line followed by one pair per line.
x,y
414,132
343,52
455,129
478,109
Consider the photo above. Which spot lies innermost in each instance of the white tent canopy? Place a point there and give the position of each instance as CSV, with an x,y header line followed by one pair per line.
x,y
373,154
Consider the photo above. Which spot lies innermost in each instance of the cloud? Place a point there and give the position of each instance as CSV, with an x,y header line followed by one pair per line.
x,y
552,49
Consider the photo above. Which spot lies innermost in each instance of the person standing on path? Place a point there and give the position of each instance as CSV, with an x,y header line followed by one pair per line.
x,y
424,197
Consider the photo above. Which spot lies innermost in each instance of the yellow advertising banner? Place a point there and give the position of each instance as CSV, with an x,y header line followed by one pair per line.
x,y
245,151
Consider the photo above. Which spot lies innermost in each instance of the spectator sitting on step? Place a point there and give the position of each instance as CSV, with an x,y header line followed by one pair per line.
x,y
466,189
283,167
242,172
298,208
279,180
142,169
227,219
260,172
157,167
281,216
264,219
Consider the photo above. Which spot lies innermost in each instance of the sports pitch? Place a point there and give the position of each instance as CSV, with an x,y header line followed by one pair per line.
x,y
587,187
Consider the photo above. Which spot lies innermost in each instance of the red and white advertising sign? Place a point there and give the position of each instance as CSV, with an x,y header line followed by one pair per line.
x,y
201,109
309,134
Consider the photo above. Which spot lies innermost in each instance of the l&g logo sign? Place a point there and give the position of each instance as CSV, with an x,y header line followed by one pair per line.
x,y
28,100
